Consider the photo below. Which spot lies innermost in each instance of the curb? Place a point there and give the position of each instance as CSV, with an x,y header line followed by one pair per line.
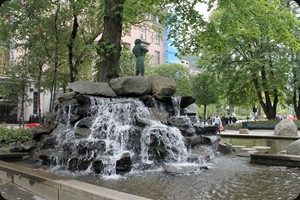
x,y
54,187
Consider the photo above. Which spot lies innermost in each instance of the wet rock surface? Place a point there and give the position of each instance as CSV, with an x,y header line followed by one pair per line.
x,y
105,135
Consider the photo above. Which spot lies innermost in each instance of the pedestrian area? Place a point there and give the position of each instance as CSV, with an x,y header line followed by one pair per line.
x,y
259,133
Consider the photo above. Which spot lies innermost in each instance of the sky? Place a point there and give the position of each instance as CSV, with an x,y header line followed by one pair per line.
x,y
202,8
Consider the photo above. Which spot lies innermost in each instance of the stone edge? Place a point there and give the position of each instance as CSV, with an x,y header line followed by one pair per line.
x,y
54,187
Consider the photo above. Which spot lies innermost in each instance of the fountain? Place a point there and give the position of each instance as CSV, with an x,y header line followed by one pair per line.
x,y
132,124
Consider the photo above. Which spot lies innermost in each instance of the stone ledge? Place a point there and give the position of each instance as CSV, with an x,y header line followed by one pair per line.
x,y
54,187
276,160
244,131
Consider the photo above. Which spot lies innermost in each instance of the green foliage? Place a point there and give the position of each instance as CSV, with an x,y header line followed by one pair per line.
x,y
233,126
266,124
177,72
127,63
18,135
206,89
246,44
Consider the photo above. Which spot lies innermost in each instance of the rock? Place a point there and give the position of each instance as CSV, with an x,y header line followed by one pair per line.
x,y
183,124
97,166
225,148
82,132
39,131
162,85
186,101
131,86
85,122
50,122
286,127
181,169
91,88
83,164
72,164
197,140
65,96
124,164
159,115
49,143
293,148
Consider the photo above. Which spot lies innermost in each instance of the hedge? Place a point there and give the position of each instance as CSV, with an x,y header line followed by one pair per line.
x,y
269,125
19,135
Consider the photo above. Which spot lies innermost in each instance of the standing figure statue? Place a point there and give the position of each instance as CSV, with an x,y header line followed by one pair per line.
x,y
139,51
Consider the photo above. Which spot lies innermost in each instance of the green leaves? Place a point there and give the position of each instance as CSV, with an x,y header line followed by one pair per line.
x,y
247,44
206,89
177,72
15,135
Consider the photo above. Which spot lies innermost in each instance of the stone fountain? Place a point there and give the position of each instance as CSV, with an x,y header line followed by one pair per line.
x,y
131,123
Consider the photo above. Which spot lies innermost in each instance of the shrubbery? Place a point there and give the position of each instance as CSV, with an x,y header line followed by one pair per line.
x,y
236,126
9,135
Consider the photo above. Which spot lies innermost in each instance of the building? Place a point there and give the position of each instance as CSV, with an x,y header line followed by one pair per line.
x,y
151,39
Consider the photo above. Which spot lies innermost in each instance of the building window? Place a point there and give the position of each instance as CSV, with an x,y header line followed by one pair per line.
x,y
143,34
156,38
157,57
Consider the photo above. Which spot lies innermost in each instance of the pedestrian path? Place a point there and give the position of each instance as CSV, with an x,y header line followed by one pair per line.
x,y
257,133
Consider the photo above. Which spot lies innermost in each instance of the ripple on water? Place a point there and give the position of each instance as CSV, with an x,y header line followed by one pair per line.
x,y
232,178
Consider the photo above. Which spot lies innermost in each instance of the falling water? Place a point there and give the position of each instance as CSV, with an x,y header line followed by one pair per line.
x,y
176,100
121,127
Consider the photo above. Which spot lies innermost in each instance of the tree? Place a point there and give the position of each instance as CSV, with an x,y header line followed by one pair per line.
x,y
118,15
177,72
109,48
87,25
245,47
206,90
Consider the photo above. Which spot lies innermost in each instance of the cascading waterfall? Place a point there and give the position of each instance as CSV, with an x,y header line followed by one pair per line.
x,y
176,100
170,137
123,134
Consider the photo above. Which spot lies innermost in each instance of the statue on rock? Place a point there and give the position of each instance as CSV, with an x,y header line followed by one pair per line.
x,y
139,51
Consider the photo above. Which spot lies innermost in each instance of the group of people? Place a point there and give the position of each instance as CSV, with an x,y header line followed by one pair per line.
x,y
220,122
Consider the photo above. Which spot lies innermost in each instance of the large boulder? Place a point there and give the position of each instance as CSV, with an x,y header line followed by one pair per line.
x,y
293,148
91,88
130,86
162,85
286,127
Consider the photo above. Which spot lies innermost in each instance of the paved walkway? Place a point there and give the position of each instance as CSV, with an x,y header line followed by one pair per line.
x,y
257,133
251,132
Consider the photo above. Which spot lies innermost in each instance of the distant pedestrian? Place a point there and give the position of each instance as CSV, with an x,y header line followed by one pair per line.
x,y
217,122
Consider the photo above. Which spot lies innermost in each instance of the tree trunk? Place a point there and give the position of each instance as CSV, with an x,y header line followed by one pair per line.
x,y
109,46
204,113
38,100
266,104
296,92
73,68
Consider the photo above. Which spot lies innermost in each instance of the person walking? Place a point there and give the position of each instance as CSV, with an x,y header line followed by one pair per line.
x,y
217,122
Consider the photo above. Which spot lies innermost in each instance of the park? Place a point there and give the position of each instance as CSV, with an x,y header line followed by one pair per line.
x,y
115,99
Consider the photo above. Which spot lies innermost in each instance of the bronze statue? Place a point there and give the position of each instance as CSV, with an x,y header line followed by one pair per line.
x,y
139,51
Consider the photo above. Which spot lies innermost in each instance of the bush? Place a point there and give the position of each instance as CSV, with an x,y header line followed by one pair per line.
x,y
270,125
19,135
233,126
